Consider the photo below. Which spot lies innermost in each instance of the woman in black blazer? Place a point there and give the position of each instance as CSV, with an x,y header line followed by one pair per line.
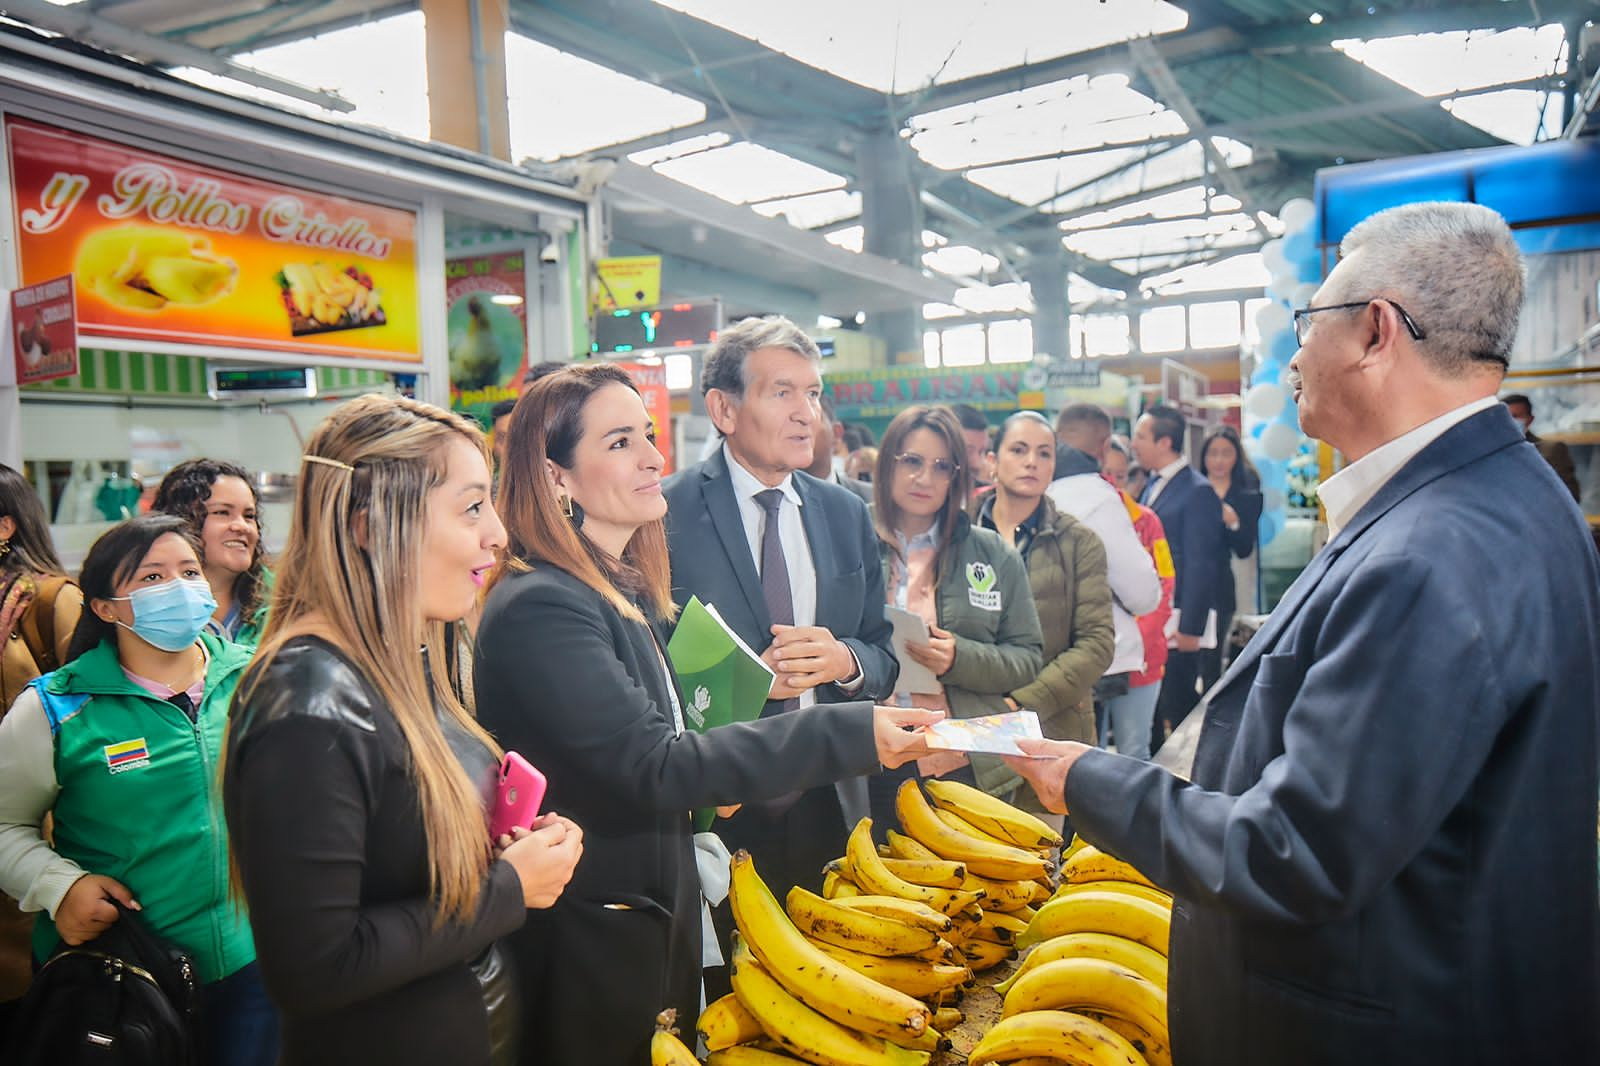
x,y
1234,480
571,672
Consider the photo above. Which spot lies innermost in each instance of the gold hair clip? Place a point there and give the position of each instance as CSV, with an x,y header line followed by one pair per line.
x,y
336,464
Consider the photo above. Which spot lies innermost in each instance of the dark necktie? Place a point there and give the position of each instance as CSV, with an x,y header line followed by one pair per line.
x,y
1149,494
775,578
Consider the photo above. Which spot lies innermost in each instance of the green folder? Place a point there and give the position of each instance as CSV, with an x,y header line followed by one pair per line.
x,y
722,679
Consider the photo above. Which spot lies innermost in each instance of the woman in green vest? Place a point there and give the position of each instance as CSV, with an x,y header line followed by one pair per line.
x,y
120,745
968,585
223,511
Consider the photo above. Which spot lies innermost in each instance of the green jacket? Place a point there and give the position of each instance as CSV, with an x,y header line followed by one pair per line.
x,y
984,599
140,801
249,632
1067,571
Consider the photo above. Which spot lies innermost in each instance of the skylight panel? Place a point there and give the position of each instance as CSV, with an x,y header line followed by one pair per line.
x,y
562,105
902,45
1131,240
1245,271
1434,64
814,211
744,172
851,238
649,157
1184,163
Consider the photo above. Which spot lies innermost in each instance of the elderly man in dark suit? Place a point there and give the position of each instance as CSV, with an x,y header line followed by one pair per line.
x,y
789,561
1192,516
1386,853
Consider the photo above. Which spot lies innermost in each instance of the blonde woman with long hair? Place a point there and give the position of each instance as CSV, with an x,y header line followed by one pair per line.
x,y
355,781
570,672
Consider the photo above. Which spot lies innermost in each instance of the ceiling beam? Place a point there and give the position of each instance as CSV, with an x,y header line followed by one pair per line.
x,y
81,24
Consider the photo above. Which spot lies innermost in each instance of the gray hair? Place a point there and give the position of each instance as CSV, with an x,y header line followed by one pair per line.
x,y
724,367
1456,270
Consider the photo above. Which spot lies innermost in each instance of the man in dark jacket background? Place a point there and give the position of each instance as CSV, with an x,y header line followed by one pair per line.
x,y
1387,853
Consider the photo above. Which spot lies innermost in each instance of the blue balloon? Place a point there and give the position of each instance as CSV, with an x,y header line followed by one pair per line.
x,y
1281,347
1258,429
1272,523
1309,269
1290,416
1266,374
1298,247
1274,475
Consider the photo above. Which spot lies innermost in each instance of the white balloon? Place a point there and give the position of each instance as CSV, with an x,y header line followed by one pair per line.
x,y
1265,400
1273,500
1282,287
1280,441
1274,258
1271,319
1297,213
1304,294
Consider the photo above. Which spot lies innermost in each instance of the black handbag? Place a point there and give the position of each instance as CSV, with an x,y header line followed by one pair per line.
x,y
125,998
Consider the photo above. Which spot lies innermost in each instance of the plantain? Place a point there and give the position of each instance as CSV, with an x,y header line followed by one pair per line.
x,y
1054,1036
804,1032
1144,961
665,1047
993,816
726,1022
867,869
984,857
866,931
919,978
1092,910
816,979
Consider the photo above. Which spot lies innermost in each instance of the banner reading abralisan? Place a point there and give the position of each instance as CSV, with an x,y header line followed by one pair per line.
x,y
166,250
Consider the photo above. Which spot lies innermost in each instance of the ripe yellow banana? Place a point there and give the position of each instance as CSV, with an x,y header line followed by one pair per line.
x,y
904,910
803,1031
1000,895
1053,1036
858,930
904,847
836,885
946,1018
1075,845
994,816
819,981
726,1023
1127,888
1143,961
1040,893
665,1047
866,868
744,1055
1000,927
1155,1047
1091,864
1096,984
983,856
919,978
935,873
1094,911
985,954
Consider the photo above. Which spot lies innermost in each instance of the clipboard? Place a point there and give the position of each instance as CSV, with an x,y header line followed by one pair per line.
x,y
909,628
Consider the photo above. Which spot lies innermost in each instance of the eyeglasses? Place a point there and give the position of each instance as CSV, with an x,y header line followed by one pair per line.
x,y
1302,317
914,464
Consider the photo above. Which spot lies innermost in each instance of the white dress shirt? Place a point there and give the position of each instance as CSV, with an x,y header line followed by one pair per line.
x,y
1345,493
791,534
1165,474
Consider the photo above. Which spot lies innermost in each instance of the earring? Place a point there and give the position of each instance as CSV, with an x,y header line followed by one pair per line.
x,y
566,506
5,547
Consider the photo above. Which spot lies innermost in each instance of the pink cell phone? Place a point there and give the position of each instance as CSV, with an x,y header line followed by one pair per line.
x,y
518,798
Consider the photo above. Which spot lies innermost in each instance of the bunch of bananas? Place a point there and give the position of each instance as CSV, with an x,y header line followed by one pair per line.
x,y
796,998
1093,987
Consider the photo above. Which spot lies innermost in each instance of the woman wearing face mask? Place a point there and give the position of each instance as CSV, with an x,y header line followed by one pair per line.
x,y
966,583
356,782
571,672
222,509
1067,572
121,746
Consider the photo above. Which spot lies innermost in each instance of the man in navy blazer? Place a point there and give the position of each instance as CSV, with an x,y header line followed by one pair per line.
x,y
1386,851
762,386
1191,514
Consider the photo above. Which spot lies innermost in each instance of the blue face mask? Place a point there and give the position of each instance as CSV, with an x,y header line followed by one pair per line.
x,y
171,615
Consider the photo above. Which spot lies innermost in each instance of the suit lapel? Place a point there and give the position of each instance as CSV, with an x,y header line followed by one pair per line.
x,y
716,487
1465,442
817,537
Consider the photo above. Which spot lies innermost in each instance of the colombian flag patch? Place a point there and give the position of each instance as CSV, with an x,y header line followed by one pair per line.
x,y
127,755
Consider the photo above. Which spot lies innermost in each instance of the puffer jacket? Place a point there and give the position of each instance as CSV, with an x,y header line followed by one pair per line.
x,y
985,600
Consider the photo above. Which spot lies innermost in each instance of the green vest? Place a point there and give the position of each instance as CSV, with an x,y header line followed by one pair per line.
x,y
140,800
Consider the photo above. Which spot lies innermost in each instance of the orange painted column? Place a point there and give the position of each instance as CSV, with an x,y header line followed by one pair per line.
x,y
461,110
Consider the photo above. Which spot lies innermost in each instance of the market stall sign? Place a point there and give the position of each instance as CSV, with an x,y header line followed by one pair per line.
x,y
487,296
626,281
884,393
44,330
652,382
168,251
